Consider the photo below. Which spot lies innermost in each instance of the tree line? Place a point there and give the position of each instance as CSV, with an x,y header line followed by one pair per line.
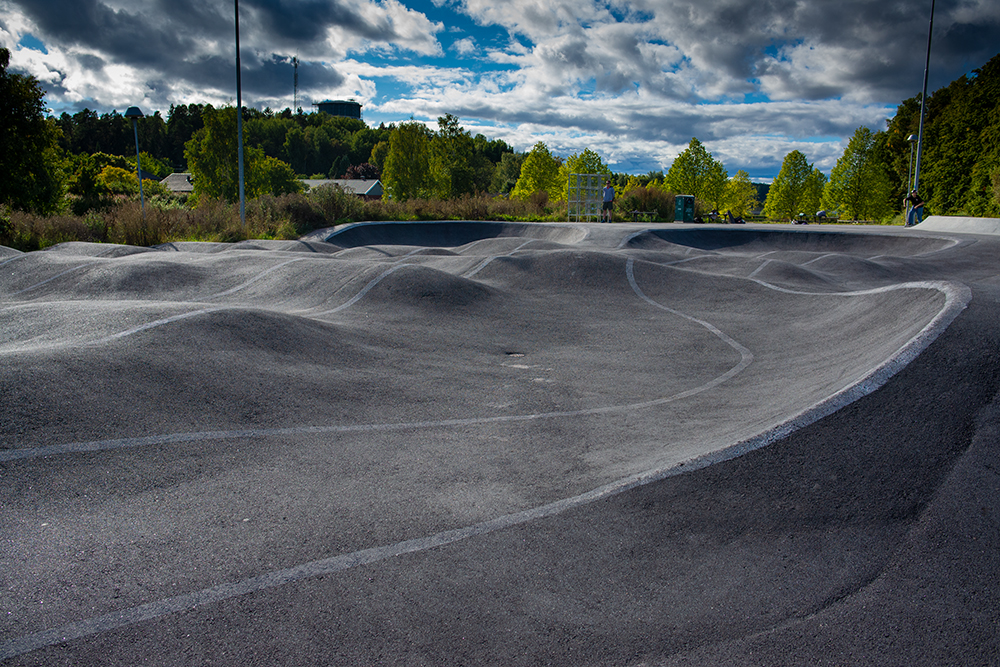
x,y
960,166
85,160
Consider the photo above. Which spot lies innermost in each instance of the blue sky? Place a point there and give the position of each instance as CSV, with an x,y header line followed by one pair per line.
x,y
634,81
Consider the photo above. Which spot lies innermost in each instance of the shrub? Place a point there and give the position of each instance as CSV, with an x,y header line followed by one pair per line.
x,y
647,198
28,231
128,224
335,204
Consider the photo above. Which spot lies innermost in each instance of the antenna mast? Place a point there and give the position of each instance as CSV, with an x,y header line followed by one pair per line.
x,y
295,93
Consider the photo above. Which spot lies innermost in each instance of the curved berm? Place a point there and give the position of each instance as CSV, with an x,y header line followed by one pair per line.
x,y
502,443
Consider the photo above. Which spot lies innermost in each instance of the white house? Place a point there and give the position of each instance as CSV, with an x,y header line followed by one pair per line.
x,y
363,188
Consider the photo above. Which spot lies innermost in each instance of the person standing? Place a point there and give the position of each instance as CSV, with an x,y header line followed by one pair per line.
x,y
916,209
609,200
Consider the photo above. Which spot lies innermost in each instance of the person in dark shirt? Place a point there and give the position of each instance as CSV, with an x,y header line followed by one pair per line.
x,y
916,213
609,200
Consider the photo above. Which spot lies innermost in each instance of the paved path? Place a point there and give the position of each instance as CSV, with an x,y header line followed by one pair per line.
x,y
487,443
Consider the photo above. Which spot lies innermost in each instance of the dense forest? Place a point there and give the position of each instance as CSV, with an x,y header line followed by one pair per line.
x,y
960,171
84,163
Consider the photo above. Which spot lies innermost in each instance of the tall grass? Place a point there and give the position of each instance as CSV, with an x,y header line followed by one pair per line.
x,y
269,217
648,199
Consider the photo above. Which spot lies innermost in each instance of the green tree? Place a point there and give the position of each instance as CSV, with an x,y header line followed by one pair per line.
x,y
118,181
406,173
29,148
492,149
378,155
296,149
451,159
151,165
812,195
362,143
182,122
539,173
266,175
696,172
587,162
787,194
714,189
482,172
212,159
960,153
507,172
859,186
741,195
85,188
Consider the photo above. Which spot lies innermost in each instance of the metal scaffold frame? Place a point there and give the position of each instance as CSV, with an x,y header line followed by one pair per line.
x,y
585,197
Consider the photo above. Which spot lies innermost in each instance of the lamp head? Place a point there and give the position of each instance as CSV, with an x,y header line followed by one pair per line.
x,y
134,113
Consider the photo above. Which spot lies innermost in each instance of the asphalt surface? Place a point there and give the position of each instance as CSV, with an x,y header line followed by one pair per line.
x,y
510,444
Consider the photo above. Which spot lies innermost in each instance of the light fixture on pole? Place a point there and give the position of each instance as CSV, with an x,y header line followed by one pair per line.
x,y
923,103
911,139
135,114
909,174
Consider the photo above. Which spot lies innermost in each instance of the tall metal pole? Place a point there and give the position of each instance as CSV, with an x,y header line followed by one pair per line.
x,y
909,174
923,103
135,113
138,168
239,119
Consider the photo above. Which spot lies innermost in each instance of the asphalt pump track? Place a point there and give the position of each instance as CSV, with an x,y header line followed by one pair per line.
x,y
498,443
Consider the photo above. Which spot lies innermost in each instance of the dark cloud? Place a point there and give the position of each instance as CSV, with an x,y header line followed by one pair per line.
x,y
306,21
122,36
963,46
91,62
881,42
275,77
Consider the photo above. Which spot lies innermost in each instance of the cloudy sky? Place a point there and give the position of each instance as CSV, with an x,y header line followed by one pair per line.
x,y
632,80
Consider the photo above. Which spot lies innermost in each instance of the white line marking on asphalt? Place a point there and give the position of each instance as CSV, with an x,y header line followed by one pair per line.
x,y
58,275
746,357
758,269
259,276
686,259
367,288
824,256
153,325
13,259
486,262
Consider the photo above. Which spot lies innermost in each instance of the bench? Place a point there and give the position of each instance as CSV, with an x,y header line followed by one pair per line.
x,y
644,216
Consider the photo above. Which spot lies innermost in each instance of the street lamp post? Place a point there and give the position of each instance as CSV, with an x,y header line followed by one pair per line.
x,y
923,103
135,114
239,119
909,173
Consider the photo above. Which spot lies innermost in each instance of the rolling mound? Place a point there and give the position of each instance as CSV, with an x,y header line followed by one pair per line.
x,y
753,241
446,234
421,288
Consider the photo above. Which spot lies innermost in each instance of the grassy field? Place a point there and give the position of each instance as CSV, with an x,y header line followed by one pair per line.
x,y
167,219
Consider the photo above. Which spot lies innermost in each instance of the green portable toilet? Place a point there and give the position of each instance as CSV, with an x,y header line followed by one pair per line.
x,y
684,209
